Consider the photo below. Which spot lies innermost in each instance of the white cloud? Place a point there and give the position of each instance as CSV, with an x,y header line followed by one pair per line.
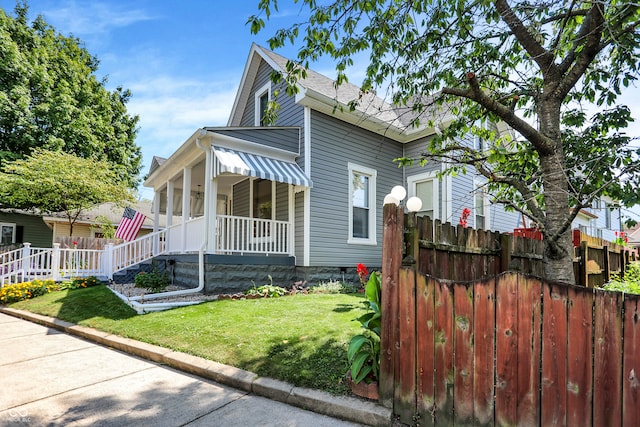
x,y
93,18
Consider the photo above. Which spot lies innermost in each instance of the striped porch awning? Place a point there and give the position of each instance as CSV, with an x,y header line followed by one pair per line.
x,y
247,164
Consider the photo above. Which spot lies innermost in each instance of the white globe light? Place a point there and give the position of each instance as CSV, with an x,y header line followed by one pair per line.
x,y
390,199
399,192
414,204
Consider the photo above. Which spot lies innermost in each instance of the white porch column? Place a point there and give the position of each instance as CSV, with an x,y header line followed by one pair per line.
x,y
167,244
186,205
292,221
156,219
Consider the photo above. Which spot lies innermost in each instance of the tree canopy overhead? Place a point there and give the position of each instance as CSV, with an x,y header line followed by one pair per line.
x,y
51,98
54,181
533,65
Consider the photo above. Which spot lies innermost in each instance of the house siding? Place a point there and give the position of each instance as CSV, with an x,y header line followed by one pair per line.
x,y
334,145
462,190
240,198
34,229
282,201
299,227
283,139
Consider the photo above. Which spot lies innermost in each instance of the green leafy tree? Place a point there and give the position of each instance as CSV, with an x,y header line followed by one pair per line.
x,y
54,181
50,98
453,65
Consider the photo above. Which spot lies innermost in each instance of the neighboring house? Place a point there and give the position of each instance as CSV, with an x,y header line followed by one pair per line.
x,y
17,227
42,231
309,189
87,226
633,234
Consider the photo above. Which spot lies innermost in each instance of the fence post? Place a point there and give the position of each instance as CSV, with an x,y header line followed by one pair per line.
x,y
26,263
55,262
411,237
607,264
107,261
505,252
392,244
583,265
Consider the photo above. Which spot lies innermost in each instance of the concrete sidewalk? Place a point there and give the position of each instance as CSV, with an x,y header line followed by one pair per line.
x,y
49,377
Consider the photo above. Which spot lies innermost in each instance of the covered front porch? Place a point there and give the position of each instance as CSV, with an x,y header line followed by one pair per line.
x,y
241,193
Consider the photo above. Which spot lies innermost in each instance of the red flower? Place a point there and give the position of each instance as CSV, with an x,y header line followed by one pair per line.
x,y
465,215
362,273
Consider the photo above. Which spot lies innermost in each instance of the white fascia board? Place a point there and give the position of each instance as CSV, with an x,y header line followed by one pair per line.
x,y
233,143
188,154
326,105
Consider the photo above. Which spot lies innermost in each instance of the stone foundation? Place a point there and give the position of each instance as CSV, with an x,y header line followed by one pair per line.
x,y
232,274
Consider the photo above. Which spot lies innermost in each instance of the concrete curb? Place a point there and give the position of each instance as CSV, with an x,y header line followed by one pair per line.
x,y
343,407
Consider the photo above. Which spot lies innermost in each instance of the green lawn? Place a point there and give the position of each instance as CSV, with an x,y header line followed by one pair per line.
x,y
300,339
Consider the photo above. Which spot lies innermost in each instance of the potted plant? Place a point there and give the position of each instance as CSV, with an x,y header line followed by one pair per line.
x,y
364,349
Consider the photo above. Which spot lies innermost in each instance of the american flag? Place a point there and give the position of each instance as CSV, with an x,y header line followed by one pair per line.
x,y
129,224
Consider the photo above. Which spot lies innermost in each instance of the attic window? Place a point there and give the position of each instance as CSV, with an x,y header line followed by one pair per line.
x,y
262,98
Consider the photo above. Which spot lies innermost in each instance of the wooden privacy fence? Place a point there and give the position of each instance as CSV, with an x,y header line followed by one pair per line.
x,y
458,253
509,349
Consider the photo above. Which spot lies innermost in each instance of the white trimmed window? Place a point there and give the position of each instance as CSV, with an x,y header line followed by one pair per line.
x,y
362,205
481,207
7,233
262,98
426,187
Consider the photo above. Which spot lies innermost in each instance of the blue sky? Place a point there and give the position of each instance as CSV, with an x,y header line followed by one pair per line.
x,y
182,60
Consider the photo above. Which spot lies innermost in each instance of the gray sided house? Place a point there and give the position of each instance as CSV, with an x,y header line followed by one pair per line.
x,y
300,199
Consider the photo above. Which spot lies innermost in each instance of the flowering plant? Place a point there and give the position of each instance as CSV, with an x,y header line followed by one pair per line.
x,y
464,217
362,271
621,238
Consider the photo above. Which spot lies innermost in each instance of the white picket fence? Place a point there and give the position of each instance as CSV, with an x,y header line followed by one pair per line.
x,y
57,263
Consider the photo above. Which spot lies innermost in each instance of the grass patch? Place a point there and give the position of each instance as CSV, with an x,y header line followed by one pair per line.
x,y
300,339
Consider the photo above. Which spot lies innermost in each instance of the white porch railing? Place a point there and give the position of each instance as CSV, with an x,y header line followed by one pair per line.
x,y
54,263
252,235
192,239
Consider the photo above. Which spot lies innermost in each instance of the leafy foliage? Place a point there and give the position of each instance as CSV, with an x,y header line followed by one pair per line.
x,y
631,282
21,291
59,182
267,291
332,287
50,98
457,67
364,349
153,281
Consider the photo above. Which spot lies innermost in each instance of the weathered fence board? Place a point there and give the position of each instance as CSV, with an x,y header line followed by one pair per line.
x,y
554,351
405,392
528,342
425,314
443,346
607,397
630,363
579,361
484,344
463,356
506,351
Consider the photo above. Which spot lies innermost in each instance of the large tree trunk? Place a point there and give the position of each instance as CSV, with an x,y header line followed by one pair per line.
x,y
558,253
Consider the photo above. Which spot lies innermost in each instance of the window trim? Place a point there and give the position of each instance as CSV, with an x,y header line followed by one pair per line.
x,y
422,177
479,187
265,89
372,174
15,229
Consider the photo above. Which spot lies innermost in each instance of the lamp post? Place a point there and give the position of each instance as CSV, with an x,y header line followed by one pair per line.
x,y
413,205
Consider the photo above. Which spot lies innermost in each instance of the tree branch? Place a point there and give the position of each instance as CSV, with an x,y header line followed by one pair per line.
x,y
539,54
542,144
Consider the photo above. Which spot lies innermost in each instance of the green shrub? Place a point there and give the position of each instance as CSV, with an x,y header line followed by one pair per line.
x,y
153,281
267,291
26,290
332,287
629,284
81,282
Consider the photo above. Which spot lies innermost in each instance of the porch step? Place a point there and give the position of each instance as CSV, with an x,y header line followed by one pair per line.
x,y
128,275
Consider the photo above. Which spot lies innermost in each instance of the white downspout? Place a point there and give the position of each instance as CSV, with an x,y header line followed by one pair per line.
x,y
141,308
